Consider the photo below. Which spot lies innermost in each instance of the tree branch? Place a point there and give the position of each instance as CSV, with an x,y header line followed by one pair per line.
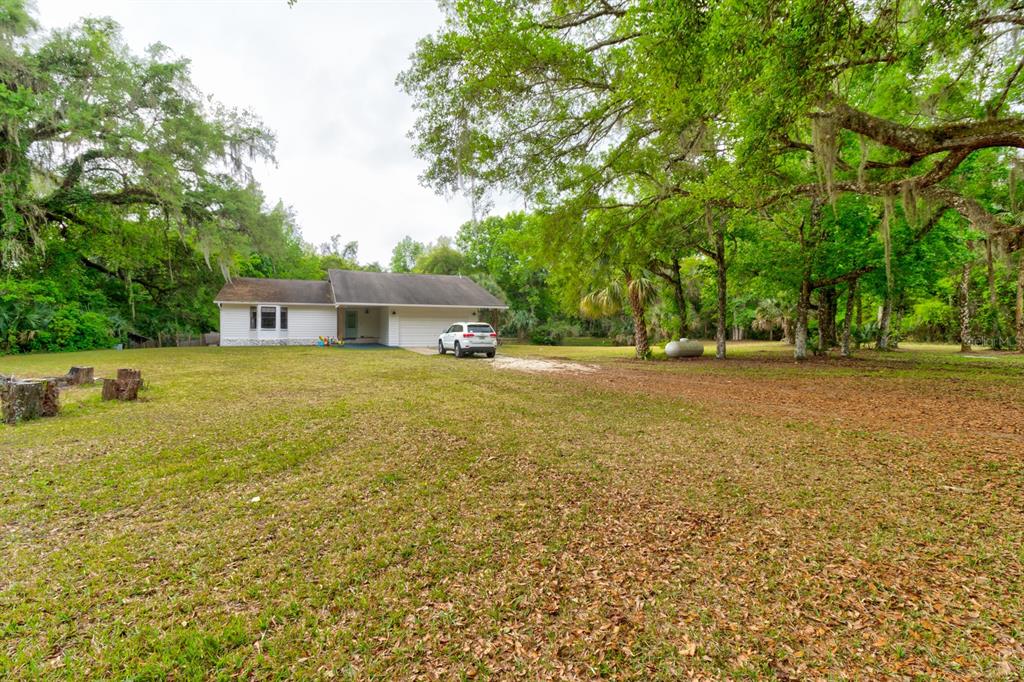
x,y
1006,132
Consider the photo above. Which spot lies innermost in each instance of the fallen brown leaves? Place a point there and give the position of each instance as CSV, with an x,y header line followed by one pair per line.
x,y
638,522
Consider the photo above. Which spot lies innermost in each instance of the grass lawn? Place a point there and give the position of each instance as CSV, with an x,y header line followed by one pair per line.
x,y
321,513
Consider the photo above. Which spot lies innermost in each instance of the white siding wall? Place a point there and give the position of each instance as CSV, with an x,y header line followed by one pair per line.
x,y
393,339
384,325
421,326
305,325
369,323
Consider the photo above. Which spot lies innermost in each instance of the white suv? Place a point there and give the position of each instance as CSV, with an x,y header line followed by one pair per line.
x,y
466,338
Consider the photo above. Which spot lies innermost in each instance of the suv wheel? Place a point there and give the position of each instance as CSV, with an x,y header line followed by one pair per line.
x,y
440,348
490,353
458,350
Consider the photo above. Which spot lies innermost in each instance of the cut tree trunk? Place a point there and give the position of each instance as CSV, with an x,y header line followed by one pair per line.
x,y
29,399
965,308
80,375
851,295
125,387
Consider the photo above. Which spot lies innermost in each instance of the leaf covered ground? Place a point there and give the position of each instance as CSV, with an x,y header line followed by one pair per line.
x,y
304,513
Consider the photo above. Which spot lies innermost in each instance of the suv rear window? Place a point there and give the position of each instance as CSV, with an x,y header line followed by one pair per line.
x,y
481,329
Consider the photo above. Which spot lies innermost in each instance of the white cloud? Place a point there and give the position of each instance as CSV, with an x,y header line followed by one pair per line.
x,y
322,76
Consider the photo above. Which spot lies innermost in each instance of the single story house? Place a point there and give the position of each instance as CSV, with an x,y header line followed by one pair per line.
x,y
388,308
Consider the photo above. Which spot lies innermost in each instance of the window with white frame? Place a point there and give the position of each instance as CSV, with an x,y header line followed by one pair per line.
x,y
268,317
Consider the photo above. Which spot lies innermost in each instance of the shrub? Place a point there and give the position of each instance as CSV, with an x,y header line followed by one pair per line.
x,y
72,328
553,332
547,335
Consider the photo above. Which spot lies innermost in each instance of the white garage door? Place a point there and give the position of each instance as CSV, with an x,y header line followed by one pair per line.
x,y
422,327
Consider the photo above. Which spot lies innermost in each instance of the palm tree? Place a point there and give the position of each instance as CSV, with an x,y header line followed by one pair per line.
x,y
610,300
768,316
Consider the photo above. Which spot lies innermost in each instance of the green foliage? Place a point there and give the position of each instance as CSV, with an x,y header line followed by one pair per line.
x,y
931,320
441,258
405,254
551,333
126,195
36,316
74,329
793,145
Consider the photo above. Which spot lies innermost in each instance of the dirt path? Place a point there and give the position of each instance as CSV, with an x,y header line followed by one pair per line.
x,y
541,365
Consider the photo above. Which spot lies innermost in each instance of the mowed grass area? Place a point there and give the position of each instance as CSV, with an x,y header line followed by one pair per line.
x,y
321,513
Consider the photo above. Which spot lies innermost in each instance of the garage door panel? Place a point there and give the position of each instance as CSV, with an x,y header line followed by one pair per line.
x,y
422,327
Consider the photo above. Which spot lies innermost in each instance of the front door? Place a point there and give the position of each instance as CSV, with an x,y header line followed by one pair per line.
x,y
351,324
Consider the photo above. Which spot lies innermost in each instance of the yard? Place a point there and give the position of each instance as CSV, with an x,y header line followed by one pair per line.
x,y
303,513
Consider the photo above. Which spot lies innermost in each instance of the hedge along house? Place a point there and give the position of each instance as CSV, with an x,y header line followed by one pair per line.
x,y
388,308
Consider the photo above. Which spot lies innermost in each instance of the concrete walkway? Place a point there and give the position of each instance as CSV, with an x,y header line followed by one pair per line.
x,y
421,350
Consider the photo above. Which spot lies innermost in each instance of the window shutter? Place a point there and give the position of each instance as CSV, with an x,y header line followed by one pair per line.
x,y
284,317
252,317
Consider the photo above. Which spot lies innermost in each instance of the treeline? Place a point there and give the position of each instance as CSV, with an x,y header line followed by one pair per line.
x,y
126,196
832,173
837,173
551,298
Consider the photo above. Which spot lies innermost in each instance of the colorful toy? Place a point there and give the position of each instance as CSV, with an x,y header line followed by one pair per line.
x,y
328,341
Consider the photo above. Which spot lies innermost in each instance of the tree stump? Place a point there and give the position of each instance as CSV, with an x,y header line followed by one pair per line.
x,y
80,375
125,387
26,399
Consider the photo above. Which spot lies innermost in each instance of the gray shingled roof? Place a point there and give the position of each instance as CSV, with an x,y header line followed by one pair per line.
x,y
362,288
257,290
391,288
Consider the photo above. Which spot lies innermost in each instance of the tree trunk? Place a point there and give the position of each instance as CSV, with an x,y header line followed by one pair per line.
x,y
827,318
643,349
787,330
125,387
1020,302
802,306
722,294
965,308
677,290
882,343
80,375
993,298
851,295
28,399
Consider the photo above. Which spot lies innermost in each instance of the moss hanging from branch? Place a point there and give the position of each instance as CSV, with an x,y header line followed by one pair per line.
x,y
824,141
862,165
1014,176
908,196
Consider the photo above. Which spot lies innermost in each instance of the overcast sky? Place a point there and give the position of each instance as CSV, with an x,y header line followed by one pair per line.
x,y
322,76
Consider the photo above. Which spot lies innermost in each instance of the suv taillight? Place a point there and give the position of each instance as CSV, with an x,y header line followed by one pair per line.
x,y
468,335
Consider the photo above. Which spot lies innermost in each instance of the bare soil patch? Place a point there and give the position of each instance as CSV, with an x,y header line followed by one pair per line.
x,y
540,365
